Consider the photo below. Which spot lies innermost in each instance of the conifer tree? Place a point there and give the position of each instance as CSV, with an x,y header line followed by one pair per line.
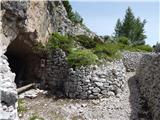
x,y
132,28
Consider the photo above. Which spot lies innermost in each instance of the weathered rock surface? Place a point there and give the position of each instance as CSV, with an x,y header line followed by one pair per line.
x,y
37,20
8,93
32,93
148,75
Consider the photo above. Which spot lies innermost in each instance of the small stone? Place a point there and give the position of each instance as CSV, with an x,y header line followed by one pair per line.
x,y
95,102
20,115
104,92
87,80
102,80
4,107
83,105
89,91
106,85
91,88
96,90
99,84
91,96
110,93
96,79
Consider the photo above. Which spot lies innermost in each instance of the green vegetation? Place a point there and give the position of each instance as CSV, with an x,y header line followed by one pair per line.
x,y
131,28
86,41
73,16
21,106
82,50
79,58
107,51
123,40
144,48
57,41
35,117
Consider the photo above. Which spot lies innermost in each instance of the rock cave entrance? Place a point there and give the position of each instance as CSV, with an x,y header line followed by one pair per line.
x,y
21,61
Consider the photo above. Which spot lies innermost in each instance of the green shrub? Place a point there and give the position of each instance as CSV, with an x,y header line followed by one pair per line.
x,y
145,48
131,49
108,51
86,41
57,41
123,40
81,58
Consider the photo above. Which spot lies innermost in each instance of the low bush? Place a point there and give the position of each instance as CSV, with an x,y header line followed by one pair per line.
x,y
79,58
123,40
58,41
145,48
108,51
86,41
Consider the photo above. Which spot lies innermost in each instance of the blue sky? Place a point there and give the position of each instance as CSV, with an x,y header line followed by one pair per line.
x,y
101,16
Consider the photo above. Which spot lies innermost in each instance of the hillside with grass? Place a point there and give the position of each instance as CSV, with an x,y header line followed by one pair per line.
x,y
82,50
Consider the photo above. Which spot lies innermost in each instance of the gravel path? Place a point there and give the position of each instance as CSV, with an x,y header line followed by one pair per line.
x,y
126,106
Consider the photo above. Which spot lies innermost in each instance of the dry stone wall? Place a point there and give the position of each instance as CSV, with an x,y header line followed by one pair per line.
x,y
56,71
131,60
96,82
84,82
148,75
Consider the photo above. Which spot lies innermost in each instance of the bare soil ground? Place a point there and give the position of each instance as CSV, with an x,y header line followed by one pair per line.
x,y
125,106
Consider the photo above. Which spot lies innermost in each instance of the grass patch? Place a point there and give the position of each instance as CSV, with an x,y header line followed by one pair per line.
x,y
21,106
35,117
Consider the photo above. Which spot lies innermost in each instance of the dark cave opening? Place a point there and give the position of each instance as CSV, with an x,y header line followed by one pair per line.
x,y
18,66
21,61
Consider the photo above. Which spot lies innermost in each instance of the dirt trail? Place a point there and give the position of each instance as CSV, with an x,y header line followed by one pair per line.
x,y
126,106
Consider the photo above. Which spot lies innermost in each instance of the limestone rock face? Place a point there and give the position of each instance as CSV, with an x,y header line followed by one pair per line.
x,y
148,75
39,18
8,93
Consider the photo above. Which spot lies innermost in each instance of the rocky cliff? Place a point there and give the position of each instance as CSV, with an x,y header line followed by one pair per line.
x,y
37,20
